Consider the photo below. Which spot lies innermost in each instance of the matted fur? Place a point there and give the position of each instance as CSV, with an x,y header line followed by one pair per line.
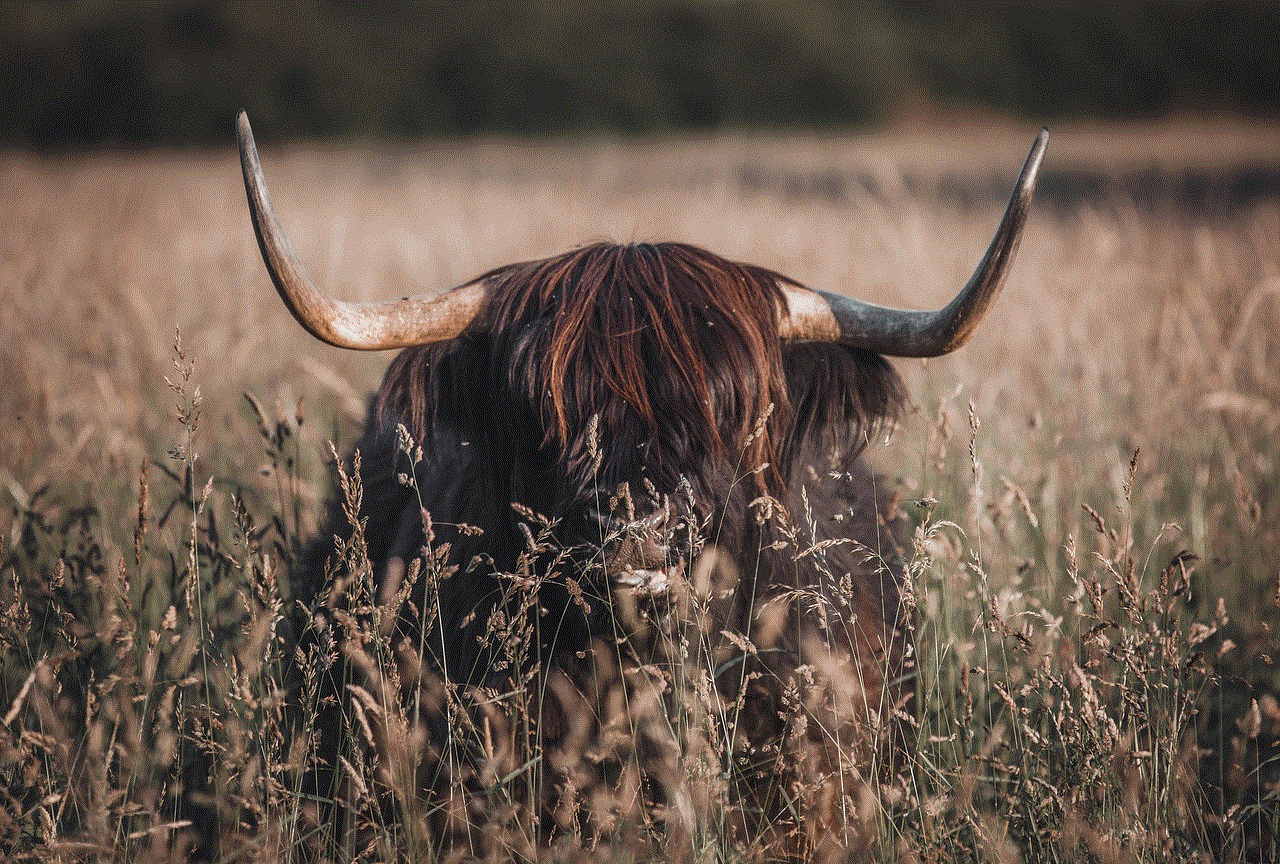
x,y
658,366
675,350
660,339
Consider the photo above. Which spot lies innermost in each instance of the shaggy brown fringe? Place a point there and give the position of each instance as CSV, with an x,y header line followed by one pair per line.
x,y
592,321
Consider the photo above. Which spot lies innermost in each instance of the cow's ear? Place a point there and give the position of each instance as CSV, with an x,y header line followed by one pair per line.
x,y
839,394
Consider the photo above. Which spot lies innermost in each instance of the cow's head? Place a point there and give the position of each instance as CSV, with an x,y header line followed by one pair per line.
x,y
661,366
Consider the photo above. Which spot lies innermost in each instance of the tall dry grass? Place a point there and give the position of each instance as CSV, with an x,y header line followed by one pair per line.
x,y
1092,482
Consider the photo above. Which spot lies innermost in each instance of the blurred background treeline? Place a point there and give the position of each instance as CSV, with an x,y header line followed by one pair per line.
x,y
87,74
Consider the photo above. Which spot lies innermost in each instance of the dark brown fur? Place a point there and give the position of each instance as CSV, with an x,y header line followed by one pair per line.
x,y
658,337
653,365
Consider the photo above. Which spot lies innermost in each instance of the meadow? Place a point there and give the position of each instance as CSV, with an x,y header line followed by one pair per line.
x,y
1091,481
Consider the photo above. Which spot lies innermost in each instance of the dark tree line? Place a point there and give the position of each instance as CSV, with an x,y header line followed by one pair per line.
x,y
87,73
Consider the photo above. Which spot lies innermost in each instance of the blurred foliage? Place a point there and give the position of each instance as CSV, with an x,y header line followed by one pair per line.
x,y
86,73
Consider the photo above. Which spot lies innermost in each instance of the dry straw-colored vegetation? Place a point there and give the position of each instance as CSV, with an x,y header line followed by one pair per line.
x,y
1091,485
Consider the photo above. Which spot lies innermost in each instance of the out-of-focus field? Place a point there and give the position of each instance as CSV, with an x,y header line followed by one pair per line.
x,y
1131,322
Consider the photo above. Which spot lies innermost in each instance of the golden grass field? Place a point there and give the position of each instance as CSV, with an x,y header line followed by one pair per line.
x,y
1126,327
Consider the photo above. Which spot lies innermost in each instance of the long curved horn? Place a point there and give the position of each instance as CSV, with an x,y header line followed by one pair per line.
x,y
365,326
819,316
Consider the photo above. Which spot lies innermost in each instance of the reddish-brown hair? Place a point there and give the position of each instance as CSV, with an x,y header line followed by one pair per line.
x,y
681,338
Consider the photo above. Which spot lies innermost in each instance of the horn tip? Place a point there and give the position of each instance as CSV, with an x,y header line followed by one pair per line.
x,y
1042,139
1032,166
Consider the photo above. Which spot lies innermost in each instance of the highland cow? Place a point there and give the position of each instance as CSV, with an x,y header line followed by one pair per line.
x,y
634,405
